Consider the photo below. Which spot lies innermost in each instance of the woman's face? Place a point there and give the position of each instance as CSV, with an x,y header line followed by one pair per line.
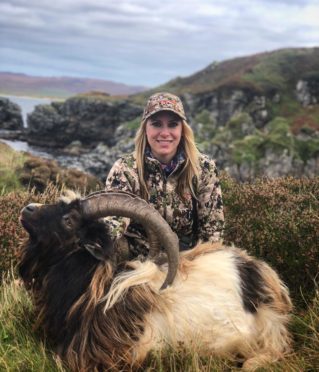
x,y
164,132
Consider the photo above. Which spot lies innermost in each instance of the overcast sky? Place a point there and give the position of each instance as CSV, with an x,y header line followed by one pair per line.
x,y
146,42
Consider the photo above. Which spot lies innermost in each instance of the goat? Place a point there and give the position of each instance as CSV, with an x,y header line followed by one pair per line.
x,y
104,312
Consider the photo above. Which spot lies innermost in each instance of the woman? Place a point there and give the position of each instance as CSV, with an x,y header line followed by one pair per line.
x,y
167,170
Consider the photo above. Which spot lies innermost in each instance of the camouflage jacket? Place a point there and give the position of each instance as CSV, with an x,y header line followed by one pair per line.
x,y
178,212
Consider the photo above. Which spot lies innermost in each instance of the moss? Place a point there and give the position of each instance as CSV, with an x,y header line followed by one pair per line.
x,y
133,125
248,150
205,126
279,136
239,124
307,149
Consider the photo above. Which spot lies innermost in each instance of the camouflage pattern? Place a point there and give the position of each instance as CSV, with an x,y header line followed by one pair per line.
x,y
163,196
163,102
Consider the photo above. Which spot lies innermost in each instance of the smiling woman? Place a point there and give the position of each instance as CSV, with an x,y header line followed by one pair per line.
x,y
164,132
167,170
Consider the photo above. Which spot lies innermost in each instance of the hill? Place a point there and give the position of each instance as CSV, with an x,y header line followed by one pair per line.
x,y
263,72
255,115
59,87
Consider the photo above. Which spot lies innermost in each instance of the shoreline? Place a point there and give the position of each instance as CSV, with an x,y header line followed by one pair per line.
x,y
5,95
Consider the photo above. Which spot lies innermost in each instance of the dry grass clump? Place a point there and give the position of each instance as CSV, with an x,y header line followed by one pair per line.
x,y
37,172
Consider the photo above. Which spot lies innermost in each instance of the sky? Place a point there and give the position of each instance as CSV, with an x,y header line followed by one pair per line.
x,y
146,42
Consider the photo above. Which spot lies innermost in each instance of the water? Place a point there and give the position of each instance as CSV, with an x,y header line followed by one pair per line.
x,y
24,146
28,104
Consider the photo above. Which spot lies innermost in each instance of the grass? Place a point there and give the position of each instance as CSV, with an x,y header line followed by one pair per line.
x,y
23,349
282,218
10,162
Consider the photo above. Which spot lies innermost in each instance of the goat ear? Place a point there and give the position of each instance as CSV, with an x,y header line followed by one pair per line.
x,y
95,250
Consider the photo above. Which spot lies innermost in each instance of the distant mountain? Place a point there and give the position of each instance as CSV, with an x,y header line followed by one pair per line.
x,y
59,87
256,115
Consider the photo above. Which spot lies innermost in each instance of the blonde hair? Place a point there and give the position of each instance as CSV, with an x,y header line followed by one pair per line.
x,y
190,168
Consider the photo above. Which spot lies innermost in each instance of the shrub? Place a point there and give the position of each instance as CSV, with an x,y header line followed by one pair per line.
x,y
38,173
11,232
279,221
279,136
248,150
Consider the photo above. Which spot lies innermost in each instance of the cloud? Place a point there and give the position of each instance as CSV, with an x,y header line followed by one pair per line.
x,y
145,41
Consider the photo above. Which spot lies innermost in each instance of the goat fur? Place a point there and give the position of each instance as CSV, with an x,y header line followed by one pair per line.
x,y
108,316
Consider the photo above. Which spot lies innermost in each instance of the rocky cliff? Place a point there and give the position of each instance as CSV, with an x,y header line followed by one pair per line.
x,y
10,115
88,120
256,115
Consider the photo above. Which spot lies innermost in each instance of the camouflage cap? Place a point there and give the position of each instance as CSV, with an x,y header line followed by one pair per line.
x,y
163,102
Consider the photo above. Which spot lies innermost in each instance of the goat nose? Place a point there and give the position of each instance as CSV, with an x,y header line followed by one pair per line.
x,y
30,208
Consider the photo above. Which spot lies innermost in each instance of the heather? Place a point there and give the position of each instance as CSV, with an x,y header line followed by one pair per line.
x,y
273,219
278,220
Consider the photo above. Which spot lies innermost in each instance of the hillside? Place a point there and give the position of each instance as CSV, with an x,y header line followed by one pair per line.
x,y
59,87
263,72
255,115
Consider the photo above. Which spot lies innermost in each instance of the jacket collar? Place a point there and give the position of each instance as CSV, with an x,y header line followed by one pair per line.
x,y
177,160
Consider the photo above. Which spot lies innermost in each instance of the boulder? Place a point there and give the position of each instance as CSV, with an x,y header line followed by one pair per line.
x,y
10,115
90,120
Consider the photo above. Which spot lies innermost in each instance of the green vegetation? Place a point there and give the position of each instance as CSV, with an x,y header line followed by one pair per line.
x,y
262,72
206,126
132,125
18,170
248,145
279,221
279,69
10,164
95,96
21,348
307,149
273,219
279,137
276,220
248,150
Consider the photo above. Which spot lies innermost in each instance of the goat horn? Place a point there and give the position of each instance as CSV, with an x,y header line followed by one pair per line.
x,y
117,203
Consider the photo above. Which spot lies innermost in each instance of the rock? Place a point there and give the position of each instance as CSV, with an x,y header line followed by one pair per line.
x,y
226,103
13,134
90,120
10,115
311,168
307,92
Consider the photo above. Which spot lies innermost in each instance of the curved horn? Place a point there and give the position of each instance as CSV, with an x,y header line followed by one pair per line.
x,y
117,203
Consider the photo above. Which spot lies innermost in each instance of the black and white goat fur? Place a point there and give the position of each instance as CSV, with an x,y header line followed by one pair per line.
x,y
106,313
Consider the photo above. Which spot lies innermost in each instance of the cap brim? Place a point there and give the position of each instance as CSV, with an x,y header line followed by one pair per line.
x,y
163,109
